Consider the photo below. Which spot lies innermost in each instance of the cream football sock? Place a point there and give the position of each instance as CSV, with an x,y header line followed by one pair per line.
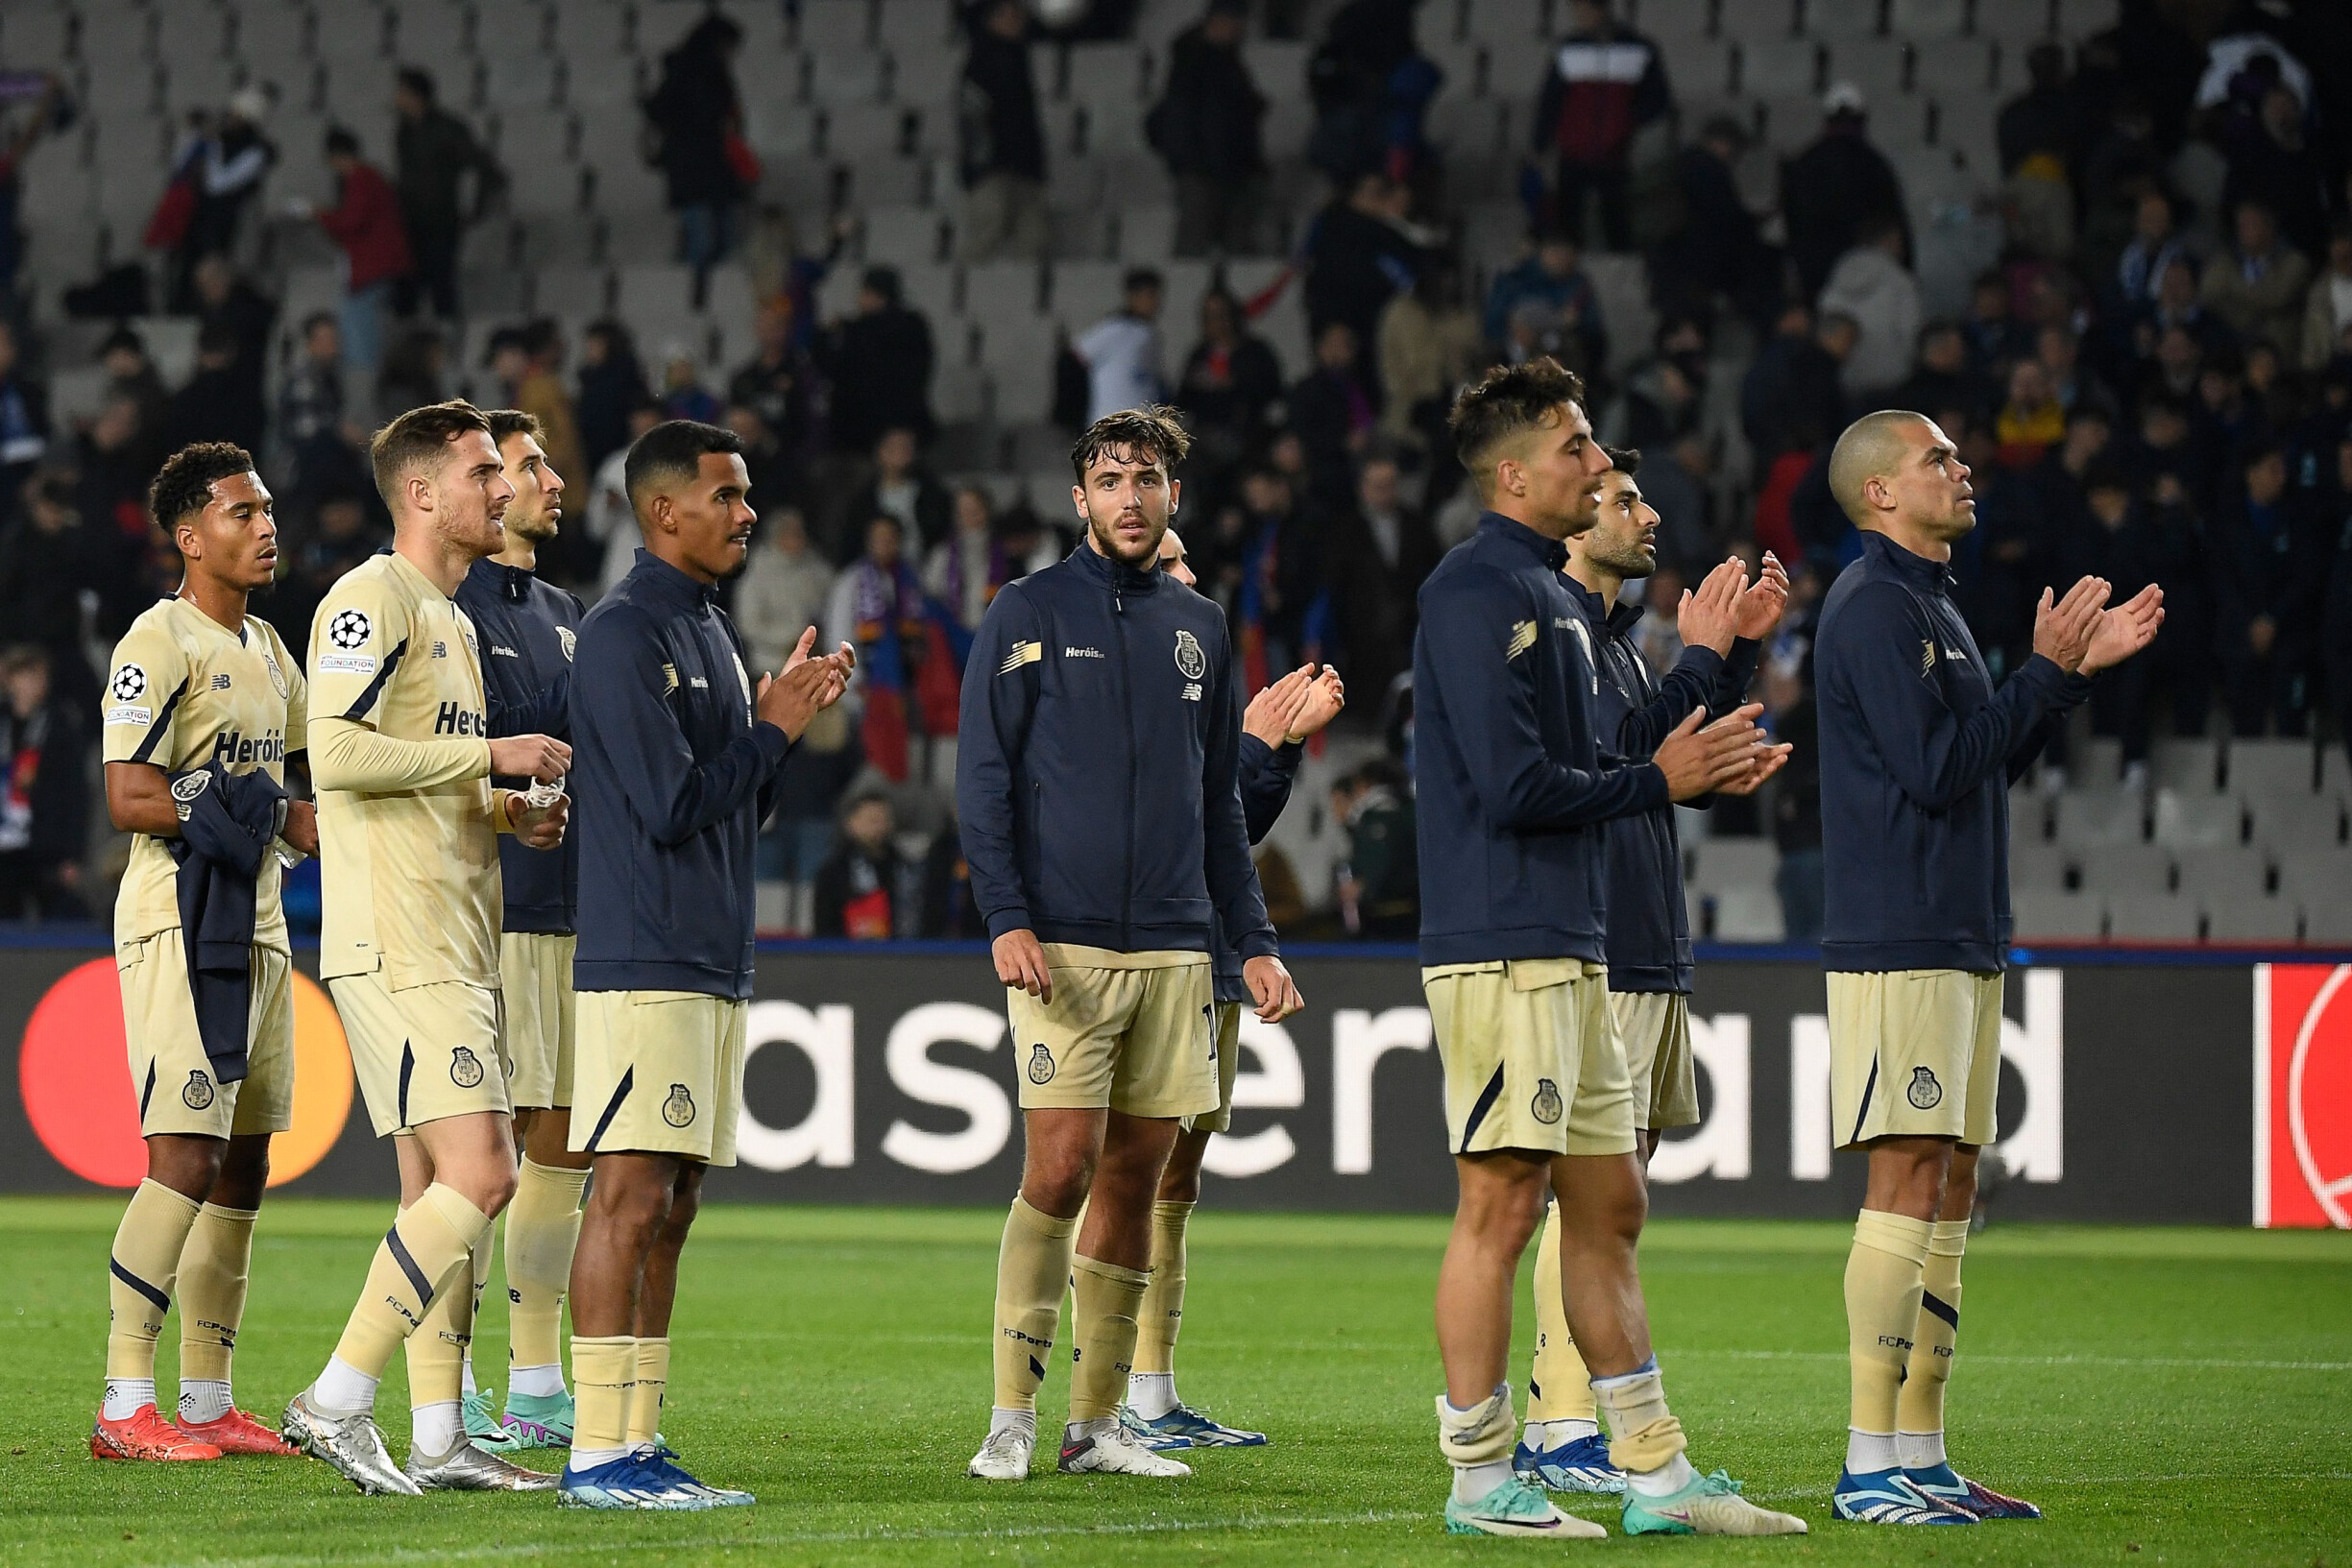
x,y
1151,1387
1103,1301
1033,1270
1559,1388
1477,1442
1645,1440
437,1380
1919,1409
603,1382
425,1254
649,1392
142,1270
1883,1277
214,1267
543,1227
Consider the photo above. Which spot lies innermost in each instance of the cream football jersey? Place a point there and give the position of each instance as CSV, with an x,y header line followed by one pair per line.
x,y
409,873
184,690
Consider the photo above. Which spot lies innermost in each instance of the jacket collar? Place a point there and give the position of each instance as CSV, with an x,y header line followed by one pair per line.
x,y
657,579
1112,574
1935,576
1550,551
1617,619
510,583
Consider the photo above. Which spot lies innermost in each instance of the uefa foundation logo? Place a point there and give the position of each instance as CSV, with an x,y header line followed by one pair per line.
x,y
2303,1094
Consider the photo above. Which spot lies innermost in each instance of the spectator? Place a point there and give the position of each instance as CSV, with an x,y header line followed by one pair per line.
x,y
799,836
1371,85
613,382
2327,309
1873,284
902,489
433,153
2032,420
225,299
2155,245
1681,491
24,425
1796,795
1205,129
539,392
2335,614
1120,352
1606,83
221,401
684,396
1002,140
1835,187
366,222
1359,253
1231,381
413,371
1376,554
223,160
1942,376
1430,345
877,607
612,523
696,119
1332,411
2112,534
338,540
964,571
784,591
47,558
1995,334
2045,119
1379,883
1717,248
2269,554
132,376
1661,395
773,478
44,800
1553,277
1789,399
2272,163
43,114
2075,388
861,887
777,382
948,911
880,363
114,462
2258,286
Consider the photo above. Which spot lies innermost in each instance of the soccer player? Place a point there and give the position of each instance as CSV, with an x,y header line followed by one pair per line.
x,y
1918,749
527,629
1278,720
408,825
679,759
1649,936
1096,781
1514,797
202,692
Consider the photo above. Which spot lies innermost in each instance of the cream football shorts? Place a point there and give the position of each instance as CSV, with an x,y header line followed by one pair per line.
x,y
1130,1031
1228,1043
542,1023
1915,1054
658,1072
1654,1027
1532,1058
421,1053
177,1088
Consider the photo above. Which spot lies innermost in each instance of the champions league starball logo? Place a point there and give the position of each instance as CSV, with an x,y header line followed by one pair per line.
x,y
130,684
349,629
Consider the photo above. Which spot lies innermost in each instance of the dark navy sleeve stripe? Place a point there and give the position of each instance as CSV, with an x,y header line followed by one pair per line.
x,y
375,687
163,722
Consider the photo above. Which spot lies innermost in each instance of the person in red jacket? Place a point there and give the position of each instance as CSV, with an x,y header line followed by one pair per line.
x,y
366,222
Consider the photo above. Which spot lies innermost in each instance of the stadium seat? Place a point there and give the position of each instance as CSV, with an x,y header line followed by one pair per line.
x,y
2154,917
1834,20
925,79
1721,863
572,291
657,290
1085,291
2335,770
2097,818
1952,68
2041,915
926,27
1756,21
2189,763
1512,28
2185,821
1020,376
2094,762
855,76
2262,768
1881,67
518,81
2126,870
2033,863
2241,917
1779,64
904,235
960,393
1464,61
2289,825
33,37
2235,871
1147,234
2078,19
1927,21
1674,19
2028,812
185,33
2015,23
1749,914
830,25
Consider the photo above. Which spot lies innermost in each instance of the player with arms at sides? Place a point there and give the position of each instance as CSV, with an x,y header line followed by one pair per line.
x,y
1098,786
1277,722
528,630
1917,751
1720,624
1516,789
204,706
679,761
408,826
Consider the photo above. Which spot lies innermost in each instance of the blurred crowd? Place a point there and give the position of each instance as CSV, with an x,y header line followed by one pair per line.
x,y
2152,379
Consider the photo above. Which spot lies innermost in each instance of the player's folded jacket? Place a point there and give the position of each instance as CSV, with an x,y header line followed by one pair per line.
x,y
1515,793
667,763
1099,735
1918,750
227,821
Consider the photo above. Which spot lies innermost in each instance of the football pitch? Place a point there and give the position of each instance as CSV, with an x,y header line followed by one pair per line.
x,y
2168,1397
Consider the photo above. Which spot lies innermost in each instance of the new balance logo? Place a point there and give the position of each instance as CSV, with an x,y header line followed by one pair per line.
x,y
1023,653
220,682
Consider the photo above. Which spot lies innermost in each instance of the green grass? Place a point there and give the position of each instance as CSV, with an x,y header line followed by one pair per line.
x,y
2168,1397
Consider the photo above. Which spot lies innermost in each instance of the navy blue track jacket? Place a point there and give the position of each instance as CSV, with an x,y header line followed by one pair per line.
x,y
671,776
1266,775
1098,763
1917,751
1649,926
1515,791
527,630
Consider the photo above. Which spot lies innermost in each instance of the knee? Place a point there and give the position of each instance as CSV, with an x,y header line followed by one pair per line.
x,y
1180,1181
493,1188
1057,1182
680,1219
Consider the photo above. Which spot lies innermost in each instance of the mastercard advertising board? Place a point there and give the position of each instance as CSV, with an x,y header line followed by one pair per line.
x,y
2303,1094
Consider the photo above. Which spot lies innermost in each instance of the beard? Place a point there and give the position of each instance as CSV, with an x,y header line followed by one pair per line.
x,y
1105,535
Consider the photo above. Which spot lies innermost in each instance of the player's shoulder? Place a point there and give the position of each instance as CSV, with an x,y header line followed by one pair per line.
x,y
153,630
1862,601
150,658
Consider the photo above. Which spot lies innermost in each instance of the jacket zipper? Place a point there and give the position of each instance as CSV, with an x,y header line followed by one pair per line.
x,y
1127,713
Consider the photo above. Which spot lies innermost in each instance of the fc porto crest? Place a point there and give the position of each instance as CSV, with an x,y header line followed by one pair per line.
x,y
186,789
1191,663
464,1067
1040,1065
1546,1104
278,677
678,1110
1924,1093
196,1093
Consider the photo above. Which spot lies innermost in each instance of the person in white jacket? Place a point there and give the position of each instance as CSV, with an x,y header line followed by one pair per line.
x,y
1873,284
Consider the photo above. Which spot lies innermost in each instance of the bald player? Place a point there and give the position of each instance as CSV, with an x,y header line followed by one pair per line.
x,y
1918,749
